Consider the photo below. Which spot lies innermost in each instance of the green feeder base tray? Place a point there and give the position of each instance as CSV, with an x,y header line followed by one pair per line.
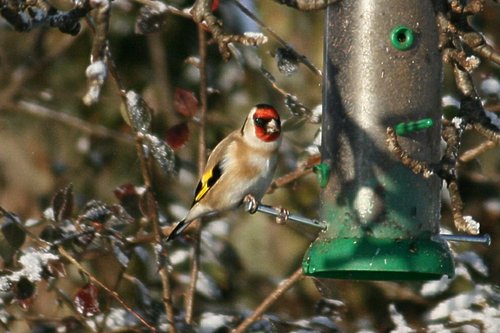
x,y
378,259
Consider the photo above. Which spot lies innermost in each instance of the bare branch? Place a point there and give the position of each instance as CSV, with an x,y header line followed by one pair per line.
x,y
26,15
68,120
202,15
457,207
270,300
471,7
152,216
418,167
110,292
97,71
453,24
472,153
479,45
302,170
196,265
488,133
300,57
306,5
451,134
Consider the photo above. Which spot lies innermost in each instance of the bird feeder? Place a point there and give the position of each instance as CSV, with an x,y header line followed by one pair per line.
x,y
382,69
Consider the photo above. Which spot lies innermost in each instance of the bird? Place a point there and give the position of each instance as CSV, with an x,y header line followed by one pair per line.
x,y
240,167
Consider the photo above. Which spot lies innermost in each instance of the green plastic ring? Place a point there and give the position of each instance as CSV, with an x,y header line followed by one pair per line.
x,y
402,38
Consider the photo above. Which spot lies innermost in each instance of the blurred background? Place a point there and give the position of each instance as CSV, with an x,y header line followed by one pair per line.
x,y
49,138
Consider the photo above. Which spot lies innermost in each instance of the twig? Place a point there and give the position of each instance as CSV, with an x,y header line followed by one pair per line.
x,y
152,206
119,278
112,293
302,170
63,297
202,14
490,134
418,167
291,101
152,215
164,275
493,107
454,25
457,207
451,134
202,45
472,153
300,57
306,5
68,120
270,300
97,71
100,41
171,9
472,7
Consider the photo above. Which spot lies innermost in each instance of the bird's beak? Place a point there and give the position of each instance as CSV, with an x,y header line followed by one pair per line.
x,y
272,127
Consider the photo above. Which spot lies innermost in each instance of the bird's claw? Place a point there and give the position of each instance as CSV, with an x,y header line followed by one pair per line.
x,y
282,216
251,204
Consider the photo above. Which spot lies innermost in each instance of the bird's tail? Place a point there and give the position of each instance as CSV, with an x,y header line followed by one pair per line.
x,y
178,229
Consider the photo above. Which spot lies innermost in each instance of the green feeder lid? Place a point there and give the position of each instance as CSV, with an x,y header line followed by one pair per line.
x,y
378,259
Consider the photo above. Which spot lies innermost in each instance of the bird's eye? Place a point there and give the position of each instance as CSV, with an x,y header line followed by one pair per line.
x,y
260,122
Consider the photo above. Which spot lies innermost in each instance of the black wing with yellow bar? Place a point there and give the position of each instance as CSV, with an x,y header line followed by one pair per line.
x,y
209,178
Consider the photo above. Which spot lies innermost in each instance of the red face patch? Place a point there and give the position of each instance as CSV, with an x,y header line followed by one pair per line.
x,y
267,123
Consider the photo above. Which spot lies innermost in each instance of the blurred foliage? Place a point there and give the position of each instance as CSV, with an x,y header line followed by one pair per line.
x,y
42,77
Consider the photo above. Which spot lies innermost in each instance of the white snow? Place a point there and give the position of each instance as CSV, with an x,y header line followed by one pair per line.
x,y
259,37
212,322
491,86
449,100
32,262
398,320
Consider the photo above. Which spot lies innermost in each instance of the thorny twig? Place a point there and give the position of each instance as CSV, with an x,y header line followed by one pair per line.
x,y
102,49
457,208
196,264
291,101
300,57
202,14
270,300
170,9
453,24
62,296
472,153
445,169
456,36
26,15
152,209
418,167
97,71
110,292
302,170
488,133
451,134
306,5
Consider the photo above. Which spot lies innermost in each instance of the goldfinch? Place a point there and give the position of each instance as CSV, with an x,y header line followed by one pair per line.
x,y
241,165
